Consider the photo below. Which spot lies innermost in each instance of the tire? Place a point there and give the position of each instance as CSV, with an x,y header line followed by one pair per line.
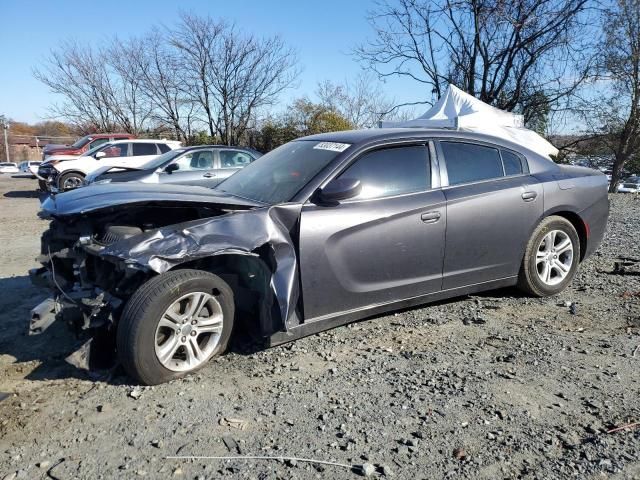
x,y
532,270
71,177
42,185
141,334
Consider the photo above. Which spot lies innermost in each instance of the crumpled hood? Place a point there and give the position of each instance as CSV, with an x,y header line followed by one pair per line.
x,y
98,197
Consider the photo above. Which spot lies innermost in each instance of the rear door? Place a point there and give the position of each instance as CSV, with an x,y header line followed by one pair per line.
x,y
385,245
493,205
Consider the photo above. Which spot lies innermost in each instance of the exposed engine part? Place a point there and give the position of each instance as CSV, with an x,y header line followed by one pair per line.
x,y
43,316
115,233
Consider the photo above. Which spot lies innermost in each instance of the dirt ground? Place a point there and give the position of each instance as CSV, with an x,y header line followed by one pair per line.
x,y
491,386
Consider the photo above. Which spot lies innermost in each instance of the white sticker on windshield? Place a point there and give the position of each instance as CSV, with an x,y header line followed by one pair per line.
x,y
333,146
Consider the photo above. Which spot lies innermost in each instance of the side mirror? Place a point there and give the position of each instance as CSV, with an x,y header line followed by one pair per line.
x,y
172,167
100,155
339,189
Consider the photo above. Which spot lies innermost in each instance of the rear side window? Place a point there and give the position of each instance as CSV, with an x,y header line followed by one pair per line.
x,y
164,148
513,164
392,171
144,149
234,159
467,162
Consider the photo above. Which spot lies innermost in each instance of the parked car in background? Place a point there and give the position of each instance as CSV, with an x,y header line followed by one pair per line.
x,y
205,165
630,185
66,175
319,232
9,167
83,144
30,167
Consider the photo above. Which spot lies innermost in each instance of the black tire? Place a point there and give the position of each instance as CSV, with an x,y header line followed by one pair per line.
x,y
67,176
136,330
42,185
528,279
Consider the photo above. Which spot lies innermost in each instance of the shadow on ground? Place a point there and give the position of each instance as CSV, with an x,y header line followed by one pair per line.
x,y
50,348
27,194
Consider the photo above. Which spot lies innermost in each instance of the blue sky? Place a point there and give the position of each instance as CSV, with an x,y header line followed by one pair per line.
x,y
323,33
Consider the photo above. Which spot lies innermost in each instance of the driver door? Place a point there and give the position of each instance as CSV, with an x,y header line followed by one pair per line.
x,y
385,245
194,168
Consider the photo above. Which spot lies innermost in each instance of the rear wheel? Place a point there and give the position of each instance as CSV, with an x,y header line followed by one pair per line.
x,y
551,258
70,180
174,324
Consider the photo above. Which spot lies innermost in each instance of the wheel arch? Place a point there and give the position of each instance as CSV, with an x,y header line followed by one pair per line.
x,y
249,276
578,223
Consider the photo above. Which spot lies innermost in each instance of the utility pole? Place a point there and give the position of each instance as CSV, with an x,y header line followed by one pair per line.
x,y
5,127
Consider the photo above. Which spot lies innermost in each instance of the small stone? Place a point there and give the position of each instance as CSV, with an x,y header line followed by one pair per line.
x,y
157,443
386,471
177,472
459,453
104,408
43,464
135,393
368,469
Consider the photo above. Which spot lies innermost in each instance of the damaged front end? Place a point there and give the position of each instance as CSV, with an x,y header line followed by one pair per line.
x,y
100,249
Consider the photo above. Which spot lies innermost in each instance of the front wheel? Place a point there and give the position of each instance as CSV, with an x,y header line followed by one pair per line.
x,y
551,258
70,180
173,324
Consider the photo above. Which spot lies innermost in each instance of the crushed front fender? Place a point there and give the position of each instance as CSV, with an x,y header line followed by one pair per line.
x,y
244,232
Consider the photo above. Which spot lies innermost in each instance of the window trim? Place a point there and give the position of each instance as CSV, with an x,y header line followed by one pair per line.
x,y
426,143
444,175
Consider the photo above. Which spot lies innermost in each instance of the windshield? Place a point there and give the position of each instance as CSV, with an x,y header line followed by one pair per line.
x,y
277,176
162,159
81,142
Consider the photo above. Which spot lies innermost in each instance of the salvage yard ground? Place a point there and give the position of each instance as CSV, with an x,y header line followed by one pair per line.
x,y
491,386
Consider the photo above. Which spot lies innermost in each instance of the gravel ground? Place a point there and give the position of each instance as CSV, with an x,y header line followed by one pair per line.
x,y
491,386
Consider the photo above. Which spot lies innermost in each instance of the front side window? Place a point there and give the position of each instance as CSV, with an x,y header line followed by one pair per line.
x,y
198,160
119,150
468,162
391,171
234,159
144,149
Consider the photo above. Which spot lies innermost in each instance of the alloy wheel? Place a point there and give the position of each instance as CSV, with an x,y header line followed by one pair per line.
x,y
554,257
189,331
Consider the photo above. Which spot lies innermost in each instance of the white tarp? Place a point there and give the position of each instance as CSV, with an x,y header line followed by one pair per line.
x,y
460,111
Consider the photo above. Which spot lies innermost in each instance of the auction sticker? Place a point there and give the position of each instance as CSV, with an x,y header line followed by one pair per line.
x,y
333,146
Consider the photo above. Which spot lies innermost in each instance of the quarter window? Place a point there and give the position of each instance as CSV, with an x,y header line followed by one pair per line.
x,y
392,171
144,149
467,162
512,163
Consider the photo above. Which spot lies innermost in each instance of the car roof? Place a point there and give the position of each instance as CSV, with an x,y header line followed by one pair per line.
x,y
143,140
197,147
354,137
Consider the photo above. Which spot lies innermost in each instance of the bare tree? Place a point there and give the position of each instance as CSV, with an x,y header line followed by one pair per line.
x,y
513,54
162,81
618,112
360,101
99,87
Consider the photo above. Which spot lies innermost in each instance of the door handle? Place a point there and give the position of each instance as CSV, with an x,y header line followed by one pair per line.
x,y
209,175
430,217
529,196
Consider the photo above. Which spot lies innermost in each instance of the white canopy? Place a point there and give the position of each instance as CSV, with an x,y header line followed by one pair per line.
x,y
461,111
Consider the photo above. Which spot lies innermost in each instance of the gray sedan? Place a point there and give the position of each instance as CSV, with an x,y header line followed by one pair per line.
x,y
205,165
322,231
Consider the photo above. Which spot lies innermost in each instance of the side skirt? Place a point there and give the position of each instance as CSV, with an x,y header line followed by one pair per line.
x,y
327,322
